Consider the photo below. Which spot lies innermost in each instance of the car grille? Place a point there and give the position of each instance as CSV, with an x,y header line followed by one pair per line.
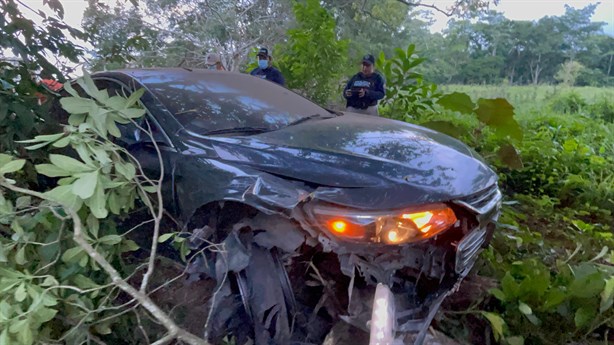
x,y
482,202
486,205
468,249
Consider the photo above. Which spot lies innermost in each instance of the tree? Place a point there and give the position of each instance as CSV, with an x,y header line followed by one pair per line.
x,y
311,57
120,35
568,72
182,32
34,47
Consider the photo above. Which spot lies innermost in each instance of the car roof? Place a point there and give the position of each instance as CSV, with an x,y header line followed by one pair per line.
x,y
186,74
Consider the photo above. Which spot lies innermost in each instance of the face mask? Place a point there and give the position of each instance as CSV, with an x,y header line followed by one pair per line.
x,y
263,64
211,67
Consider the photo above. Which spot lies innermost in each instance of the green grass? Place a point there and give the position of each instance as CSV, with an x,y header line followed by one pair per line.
x,y
530,97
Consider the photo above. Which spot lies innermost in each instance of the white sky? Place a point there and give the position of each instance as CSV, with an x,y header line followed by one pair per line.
x,y
536,9
513,9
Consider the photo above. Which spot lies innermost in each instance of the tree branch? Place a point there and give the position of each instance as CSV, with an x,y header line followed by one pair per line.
x,y
144,300
419,4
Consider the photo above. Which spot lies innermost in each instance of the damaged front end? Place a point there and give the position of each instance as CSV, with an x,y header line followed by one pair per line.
x,y
295,265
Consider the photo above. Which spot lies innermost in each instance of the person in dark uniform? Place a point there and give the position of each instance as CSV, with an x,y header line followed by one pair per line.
x,y
365,89
265,69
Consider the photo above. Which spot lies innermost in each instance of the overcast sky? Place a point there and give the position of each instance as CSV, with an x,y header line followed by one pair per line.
x,y
513,9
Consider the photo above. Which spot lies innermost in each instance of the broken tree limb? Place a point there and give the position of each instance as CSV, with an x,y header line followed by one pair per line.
x,y
174,331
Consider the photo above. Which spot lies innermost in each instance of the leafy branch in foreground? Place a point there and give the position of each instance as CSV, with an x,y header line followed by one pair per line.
x,y
60,285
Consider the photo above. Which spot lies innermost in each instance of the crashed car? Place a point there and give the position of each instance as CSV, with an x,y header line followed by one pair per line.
x,y
318,216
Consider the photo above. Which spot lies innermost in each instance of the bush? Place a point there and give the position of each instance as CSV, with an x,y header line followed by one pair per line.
x,y
602,109
568,103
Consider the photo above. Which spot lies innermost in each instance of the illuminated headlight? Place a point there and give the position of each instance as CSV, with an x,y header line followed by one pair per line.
x,y
409,225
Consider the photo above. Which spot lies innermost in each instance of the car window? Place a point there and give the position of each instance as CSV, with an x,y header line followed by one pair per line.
x,y
204,102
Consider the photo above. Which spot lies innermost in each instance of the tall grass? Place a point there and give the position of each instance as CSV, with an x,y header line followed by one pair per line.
x,y
531,97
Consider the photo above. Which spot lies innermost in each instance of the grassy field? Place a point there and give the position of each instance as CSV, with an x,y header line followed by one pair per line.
x,y
531,97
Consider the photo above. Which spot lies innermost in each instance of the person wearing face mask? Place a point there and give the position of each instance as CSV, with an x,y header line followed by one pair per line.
x,y
365,89
265,69
214,62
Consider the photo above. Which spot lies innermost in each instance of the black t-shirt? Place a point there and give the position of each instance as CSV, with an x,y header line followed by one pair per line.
x,y
374,86
270,73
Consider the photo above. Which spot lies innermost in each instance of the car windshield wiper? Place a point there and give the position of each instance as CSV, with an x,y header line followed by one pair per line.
x,y
307,118
250,130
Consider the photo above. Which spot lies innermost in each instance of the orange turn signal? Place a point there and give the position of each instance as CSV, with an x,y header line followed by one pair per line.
x,y
347,229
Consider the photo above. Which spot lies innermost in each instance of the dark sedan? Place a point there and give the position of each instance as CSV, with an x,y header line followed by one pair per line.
x,y
323,216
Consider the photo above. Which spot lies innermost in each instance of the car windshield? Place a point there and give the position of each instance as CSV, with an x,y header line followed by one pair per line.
x,y
204,101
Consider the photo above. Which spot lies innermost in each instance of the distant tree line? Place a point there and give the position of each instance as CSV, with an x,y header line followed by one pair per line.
x,y
567,49
478,46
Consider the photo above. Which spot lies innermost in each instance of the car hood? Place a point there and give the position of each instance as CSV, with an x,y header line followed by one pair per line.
x,y
364,161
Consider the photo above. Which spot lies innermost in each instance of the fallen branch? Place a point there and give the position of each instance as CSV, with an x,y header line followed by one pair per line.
x,y
174,331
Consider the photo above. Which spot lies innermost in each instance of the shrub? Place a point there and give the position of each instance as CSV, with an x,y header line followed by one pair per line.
x,y
568,103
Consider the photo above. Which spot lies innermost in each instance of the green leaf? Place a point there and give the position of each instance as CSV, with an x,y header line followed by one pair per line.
x,y
570,145
37,146
498,114
445,127
133,113
5,310
51,170
76,119
516,340
457,101
69,88
90,88
46,138
110,239
19,326
524,308
76,105
20,293
584,316
112,128
113,202
509,156
93,225
45,314
150,189
20,257
84,282
84,186
126,169
129,246
12,166
97,203
69,163
23,201
73,254
25,335
103,329
607,295
62,142
64,196
496,323
3,257
509,286
49,281
4,337
4,158
588,282
498,294
163,238
134,97
554,298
